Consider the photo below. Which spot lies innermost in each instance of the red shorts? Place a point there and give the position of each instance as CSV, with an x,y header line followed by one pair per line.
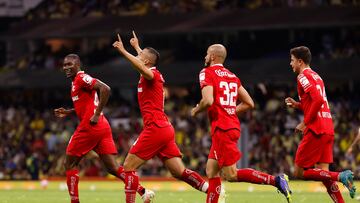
x,y
87,137
156,141
314,149
224,147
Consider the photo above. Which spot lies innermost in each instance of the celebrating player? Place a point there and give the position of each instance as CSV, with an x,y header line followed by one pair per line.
x,y
221,90
158,136
316,146
93,132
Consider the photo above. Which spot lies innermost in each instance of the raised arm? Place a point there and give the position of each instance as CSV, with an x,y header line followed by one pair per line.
x,y
246,101
134,41
136,62
104,91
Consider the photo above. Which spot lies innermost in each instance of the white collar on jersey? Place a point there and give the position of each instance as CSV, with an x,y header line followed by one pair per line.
x,y
152,68
80,72
218,64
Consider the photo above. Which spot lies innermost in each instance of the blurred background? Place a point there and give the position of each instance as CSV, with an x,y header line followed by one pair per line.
x,y
35,35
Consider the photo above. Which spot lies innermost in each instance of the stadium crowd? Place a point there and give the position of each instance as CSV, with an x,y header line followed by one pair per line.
x,y
325,44
55,9
34,141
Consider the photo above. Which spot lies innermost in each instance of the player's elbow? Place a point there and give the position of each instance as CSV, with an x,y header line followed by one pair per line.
x,y
208,101
251,104
106,88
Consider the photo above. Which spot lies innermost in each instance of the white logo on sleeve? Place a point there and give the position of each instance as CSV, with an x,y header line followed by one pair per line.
x,y
304,82
202,76
87,79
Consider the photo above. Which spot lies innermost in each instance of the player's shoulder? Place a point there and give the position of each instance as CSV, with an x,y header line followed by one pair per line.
x,y
82,76
157,74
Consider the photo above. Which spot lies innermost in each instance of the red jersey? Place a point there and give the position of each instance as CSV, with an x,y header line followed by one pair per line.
x,y
222,112
313,102
84,97
151,99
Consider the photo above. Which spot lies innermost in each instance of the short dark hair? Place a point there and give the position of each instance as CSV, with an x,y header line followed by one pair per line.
x,y
302,53
75,57
155,53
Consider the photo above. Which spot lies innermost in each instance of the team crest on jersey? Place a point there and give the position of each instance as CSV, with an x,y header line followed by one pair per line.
x,y
87,79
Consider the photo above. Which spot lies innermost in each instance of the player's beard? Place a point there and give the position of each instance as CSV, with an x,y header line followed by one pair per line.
x,y
206,64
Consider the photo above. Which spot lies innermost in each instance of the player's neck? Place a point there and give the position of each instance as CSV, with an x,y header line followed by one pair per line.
x,y
216,64
304,68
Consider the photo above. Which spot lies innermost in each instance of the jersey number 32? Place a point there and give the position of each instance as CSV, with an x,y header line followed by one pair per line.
x,y
229,93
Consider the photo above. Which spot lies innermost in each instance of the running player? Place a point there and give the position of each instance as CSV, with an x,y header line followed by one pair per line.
x,y
158,136
221,90
93,132
315,151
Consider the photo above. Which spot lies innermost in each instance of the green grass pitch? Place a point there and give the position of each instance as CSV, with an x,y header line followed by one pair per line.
x,y
166,192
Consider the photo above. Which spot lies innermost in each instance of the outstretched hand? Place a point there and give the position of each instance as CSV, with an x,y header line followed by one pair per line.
x,y
291,102
61,112
119,44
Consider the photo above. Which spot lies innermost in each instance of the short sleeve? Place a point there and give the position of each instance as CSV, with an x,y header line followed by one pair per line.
x,y
86,81
157,77
304,82
205,79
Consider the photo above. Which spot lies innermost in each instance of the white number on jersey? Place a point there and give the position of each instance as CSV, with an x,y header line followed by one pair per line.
x,y
323,94
230,93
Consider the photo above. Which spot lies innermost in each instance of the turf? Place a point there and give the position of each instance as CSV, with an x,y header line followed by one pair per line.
x,y
173,192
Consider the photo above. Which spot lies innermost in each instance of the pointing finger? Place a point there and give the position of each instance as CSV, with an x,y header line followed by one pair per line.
x,y
133,32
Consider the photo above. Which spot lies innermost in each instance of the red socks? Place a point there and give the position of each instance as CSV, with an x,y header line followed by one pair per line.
x,y
333,191
320,175
131,185
214,190
252,176
121,175
195,180
72,181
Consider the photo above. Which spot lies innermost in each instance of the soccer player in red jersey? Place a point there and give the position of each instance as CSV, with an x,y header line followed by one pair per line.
x,y
93,132
158,136
315,151
221,90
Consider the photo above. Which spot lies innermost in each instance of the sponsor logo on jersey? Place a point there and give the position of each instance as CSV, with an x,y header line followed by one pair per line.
x,y
316,76
221,73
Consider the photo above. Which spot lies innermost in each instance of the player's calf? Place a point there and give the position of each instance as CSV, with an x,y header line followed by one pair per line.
x,y
194,179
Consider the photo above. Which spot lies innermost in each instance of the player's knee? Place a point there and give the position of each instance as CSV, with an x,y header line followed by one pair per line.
x,y
210,173
229,176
